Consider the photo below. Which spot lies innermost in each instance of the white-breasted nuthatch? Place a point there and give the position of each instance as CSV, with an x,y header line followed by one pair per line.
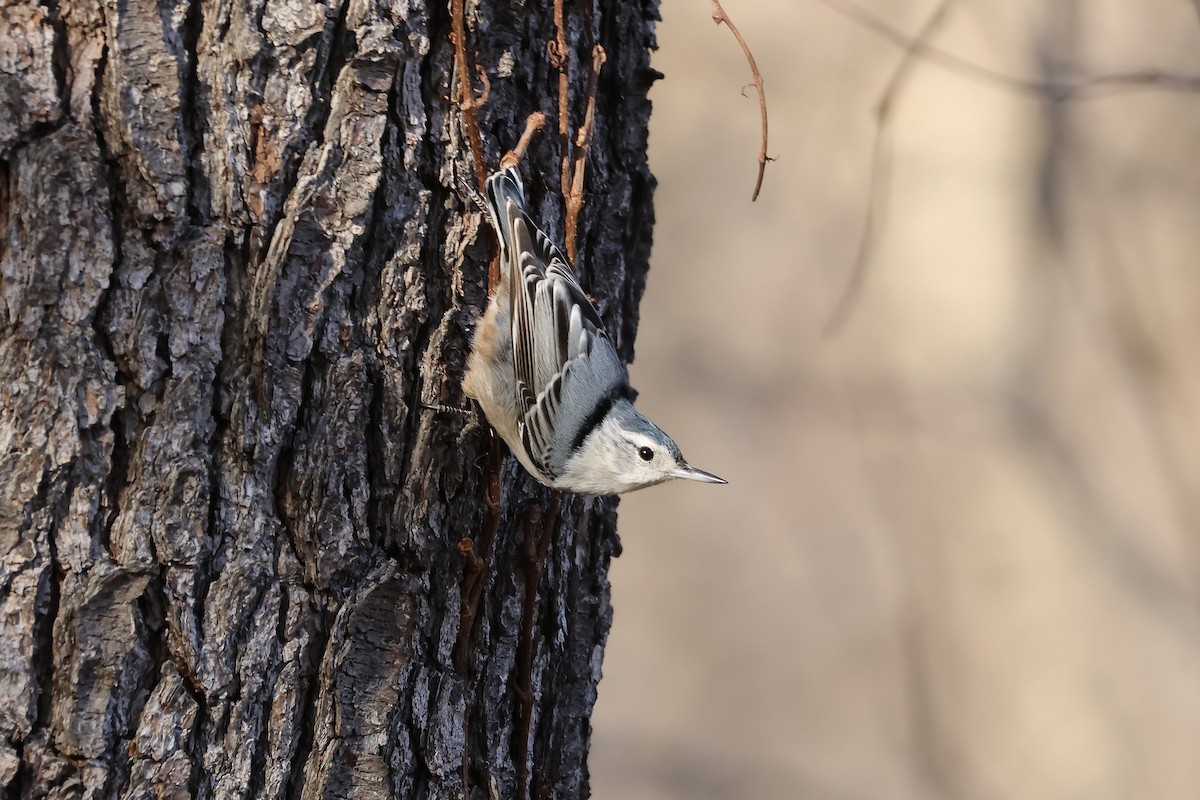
x,y
547,376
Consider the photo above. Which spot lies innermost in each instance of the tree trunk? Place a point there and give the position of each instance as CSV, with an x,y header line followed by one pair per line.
x,y
238,265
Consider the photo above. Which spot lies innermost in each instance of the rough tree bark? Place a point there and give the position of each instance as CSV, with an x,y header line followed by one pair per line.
x,y
236,262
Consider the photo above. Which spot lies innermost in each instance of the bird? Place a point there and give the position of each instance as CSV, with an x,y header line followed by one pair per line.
x,y
546,374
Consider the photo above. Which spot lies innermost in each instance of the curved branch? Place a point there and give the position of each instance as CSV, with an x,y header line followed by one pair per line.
x,y
720,17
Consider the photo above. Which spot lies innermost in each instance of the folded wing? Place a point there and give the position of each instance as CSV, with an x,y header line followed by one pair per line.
x,y
565,366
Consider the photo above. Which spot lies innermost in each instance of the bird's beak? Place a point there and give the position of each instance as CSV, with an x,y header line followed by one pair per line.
x,y
689,473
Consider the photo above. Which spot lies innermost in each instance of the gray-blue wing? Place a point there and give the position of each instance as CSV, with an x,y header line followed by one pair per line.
x,y
543,293
565,366
563,362
589,376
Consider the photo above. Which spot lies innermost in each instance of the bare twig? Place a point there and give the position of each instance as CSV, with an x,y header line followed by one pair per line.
x,y
560,59
881,170
533,123
466,100
720,17
572,179
583,139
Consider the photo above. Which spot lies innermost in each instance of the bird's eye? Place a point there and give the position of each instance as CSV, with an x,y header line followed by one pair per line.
x,y
646,453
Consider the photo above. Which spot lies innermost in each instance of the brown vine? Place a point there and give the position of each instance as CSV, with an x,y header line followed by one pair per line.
x,y
720,17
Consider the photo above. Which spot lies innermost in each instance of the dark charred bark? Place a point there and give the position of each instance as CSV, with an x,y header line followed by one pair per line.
x,y
236,265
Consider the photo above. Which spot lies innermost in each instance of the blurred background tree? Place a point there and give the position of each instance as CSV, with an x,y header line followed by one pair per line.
x,y
957,557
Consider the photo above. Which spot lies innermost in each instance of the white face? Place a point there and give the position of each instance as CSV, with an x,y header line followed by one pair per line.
x,y
657,459
647,460
614,460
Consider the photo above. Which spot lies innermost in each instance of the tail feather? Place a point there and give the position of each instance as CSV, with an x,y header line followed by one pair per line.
x,y
503,186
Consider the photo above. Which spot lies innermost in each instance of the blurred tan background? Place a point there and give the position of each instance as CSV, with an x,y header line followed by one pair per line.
x,y
959,555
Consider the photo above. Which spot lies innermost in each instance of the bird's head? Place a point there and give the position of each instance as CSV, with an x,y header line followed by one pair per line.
x,y
626,451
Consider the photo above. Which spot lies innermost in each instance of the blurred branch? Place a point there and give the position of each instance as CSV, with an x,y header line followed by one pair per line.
x,y
719,16
881,169
919,47
1066,90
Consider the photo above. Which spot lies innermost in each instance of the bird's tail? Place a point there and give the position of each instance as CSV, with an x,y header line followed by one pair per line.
x,y
502,187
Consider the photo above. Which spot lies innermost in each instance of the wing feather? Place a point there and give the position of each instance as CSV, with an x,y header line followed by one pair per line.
x,y
564,364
